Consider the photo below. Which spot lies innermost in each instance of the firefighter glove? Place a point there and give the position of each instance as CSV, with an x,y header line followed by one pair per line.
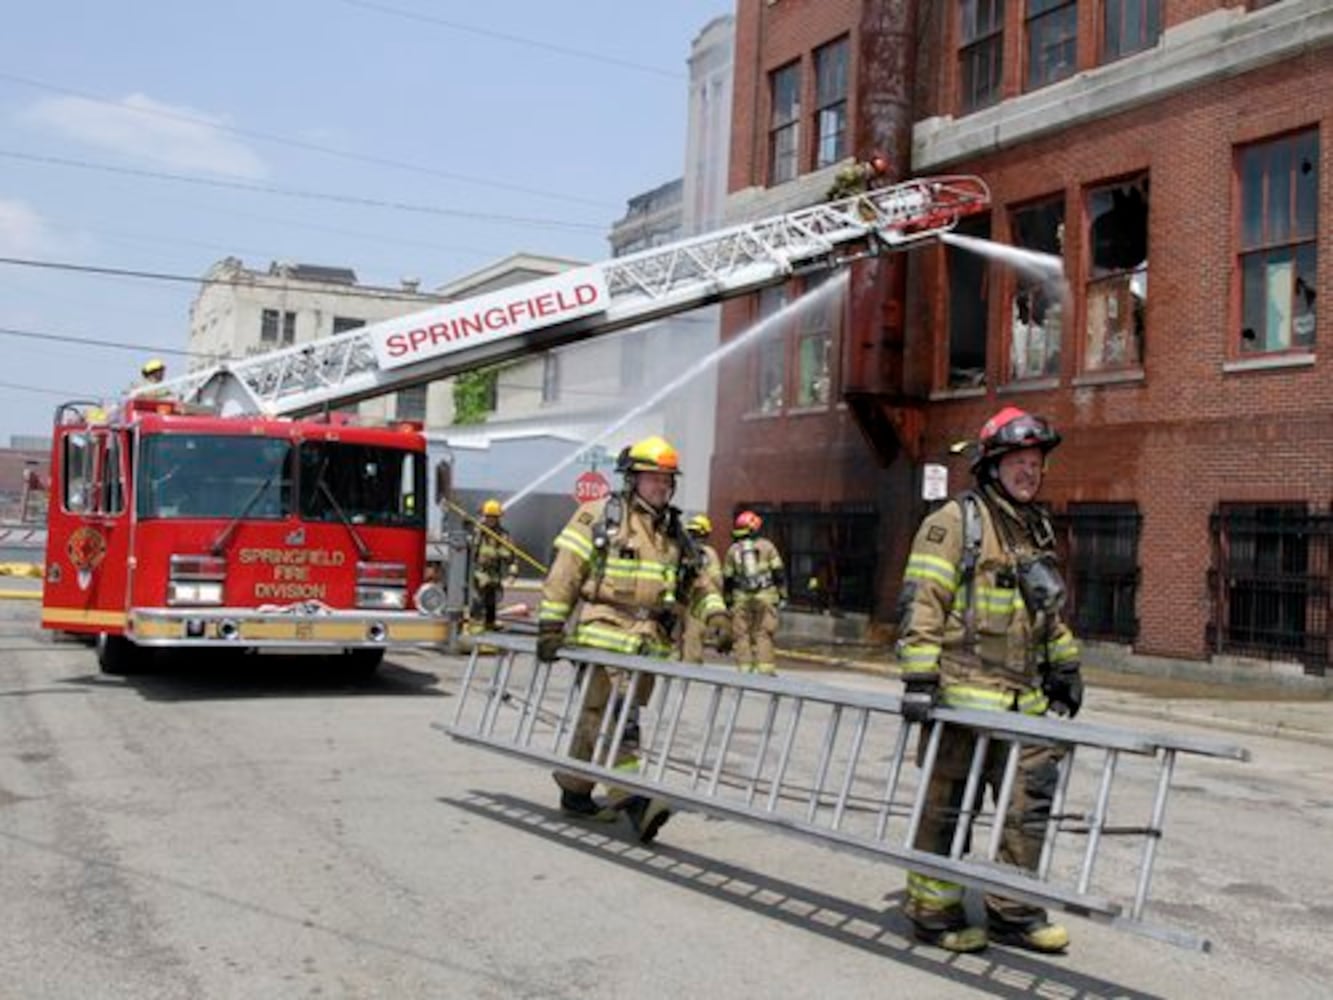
x,y
550,636
719,633
1063,686
920,693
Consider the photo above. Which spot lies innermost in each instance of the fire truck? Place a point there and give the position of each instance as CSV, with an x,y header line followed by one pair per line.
x,y
232,507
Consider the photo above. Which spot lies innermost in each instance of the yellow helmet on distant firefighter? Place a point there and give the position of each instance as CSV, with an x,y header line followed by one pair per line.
x,y
153,369
699,525
652,454
492,508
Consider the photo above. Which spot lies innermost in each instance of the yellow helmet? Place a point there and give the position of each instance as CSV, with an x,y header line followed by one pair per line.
x,y
699,525
491,508
153,366
652,454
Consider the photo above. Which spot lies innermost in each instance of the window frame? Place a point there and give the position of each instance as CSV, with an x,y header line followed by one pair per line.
x,y
550,378
1018,283
814,326
1150,21
1058,10
772,345
976,42
1137,338
780,129
1268,245
837,102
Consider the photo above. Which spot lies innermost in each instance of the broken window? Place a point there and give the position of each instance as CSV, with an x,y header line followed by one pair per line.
x,y
784,123
1117,289
813,343
980,54
1052,27
1129,26
1036,313
969,302
772,353
1279,198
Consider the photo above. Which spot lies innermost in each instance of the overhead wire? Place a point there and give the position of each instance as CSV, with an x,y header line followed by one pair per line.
x,y
342,199
346,154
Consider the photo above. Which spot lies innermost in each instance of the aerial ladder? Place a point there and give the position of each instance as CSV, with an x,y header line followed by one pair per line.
x,y
819,761
623,292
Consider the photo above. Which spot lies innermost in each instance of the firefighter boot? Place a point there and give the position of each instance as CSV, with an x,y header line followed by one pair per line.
x,y
961,938
1038,935
646,816
584,806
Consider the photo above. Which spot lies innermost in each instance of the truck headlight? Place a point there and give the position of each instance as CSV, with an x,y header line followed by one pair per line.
x,y
382,598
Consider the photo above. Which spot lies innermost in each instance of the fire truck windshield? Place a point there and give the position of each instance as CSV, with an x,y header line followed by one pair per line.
x,y
362,483
214,475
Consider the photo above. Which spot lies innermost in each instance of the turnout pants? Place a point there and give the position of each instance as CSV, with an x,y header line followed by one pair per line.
x,y
603,685
754,622
938,904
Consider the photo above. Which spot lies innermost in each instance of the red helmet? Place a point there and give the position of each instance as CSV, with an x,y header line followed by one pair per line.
x,y
747,523
1013,429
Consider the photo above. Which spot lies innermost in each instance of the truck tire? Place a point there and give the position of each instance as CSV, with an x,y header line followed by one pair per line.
x,y
118,656
361,664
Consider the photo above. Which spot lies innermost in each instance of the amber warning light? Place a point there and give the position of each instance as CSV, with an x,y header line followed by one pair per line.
x,y
506,313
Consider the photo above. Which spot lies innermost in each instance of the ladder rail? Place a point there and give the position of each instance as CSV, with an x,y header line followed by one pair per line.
x,y
644,286
874,806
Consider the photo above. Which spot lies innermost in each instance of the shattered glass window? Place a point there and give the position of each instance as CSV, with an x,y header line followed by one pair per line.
x,y
1036,314
1117,288
969,304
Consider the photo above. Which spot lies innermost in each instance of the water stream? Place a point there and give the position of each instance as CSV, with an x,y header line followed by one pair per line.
x,y
1044,267
835,286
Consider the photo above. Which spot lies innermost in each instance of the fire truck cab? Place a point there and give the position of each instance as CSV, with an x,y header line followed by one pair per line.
x,y
171,527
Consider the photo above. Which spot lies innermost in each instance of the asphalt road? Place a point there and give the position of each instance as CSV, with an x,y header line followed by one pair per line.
x,y
266,831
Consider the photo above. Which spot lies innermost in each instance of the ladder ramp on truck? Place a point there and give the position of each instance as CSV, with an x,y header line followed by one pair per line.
x,y
834,765
623,292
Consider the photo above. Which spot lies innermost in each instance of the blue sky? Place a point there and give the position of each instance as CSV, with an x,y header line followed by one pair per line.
x,y
395,137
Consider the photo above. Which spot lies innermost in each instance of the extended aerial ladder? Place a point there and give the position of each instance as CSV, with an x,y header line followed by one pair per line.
x,y
832,764
623,292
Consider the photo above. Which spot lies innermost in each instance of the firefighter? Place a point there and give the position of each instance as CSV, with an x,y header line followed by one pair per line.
x,y
859,176
621,576
692,630
153,371
981,628
755,584
493,564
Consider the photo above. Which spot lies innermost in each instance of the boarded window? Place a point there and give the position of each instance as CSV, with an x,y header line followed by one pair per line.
x,y
1036,312
969,305
1052,36
980,53
1117,288
1279,196
784,125
1102,558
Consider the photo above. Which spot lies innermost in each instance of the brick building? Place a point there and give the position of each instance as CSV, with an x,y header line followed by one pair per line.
x,y
1196,477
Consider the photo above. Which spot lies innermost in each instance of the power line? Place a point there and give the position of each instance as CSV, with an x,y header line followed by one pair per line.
x,y
502,36
61,393
121,272
64,338
312,147
344,199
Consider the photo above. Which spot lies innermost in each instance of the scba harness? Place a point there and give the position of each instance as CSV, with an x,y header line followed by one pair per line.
x,y
689,562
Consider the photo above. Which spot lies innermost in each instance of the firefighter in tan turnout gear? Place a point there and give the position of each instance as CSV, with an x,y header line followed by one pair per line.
x,y
624,571
492,563
756,586
693,629
981,629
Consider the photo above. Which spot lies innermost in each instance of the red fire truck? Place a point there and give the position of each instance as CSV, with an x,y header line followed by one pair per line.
x,y
202,513
170,526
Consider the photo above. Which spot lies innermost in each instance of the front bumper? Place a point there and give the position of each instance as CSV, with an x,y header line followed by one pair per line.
x,y
287,629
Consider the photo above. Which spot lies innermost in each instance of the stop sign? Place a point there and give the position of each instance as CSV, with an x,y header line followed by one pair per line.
x,y
590,486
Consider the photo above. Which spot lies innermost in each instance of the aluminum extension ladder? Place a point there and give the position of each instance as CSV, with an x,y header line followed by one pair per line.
x,y
827,763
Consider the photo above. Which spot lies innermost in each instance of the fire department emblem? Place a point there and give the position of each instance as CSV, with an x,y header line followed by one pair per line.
x,y
86,549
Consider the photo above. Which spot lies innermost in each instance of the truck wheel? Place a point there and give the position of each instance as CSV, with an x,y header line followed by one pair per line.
x,y
361,664
117,655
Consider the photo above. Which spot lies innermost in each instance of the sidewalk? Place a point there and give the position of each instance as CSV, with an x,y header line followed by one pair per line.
x,y
1248,709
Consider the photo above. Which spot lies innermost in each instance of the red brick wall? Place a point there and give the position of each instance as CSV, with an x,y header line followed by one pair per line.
x,y
1188,435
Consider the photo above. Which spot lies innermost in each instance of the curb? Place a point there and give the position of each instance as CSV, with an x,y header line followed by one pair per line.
x,y
20,595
